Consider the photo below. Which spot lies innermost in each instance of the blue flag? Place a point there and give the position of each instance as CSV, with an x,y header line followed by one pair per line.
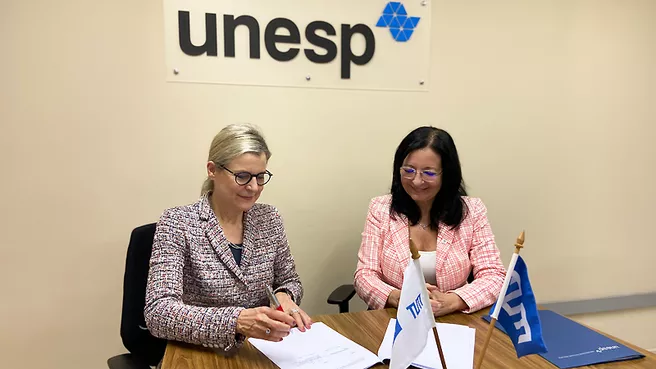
x,y
519,313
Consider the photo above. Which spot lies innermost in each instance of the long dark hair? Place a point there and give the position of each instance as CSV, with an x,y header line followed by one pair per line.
x,y
448,206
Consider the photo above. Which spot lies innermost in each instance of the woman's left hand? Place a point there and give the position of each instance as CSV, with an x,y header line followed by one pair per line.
x,y
303,321
444,303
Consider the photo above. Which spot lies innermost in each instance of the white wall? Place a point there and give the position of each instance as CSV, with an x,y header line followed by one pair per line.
x,y
551,104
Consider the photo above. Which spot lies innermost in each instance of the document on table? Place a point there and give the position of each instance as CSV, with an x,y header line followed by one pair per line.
x,y
317,348
457,341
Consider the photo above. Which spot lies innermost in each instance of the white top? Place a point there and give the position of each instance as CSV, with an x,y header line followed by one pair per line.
x,y
427,262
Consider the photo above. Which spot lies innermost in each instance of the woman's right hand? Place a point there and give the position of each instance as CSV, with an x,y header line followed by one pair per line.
x,y
265,323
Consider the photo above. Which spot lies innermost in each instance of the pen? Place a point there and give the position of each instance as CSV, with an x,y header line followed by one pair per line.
x,y
273,300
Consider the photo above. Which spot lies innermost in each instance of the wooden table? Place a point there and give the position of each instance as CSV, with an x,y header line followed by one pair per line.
x,y
367,328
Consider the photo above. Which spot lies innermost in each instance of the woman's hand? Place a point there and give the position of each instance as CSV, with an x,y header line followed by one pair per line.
x,y
265,323
301,319
444,303
393,299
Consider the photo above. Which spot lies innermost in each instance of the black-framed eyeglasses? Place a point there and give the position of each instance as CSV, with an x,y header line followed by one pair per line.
x,y
426,175
244,178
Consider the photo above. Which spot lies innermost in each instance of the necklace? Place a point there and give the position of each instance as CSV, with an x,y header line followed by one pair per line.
x,y
423,226
236,247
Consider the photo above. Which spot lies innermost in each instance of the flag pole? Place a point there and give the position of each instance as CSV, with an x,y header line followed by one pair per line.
x,y
415,256
495,314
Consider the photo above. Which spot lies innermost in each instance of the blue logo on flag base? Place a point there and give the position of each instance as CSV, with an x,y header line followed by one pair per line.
x,y
396,18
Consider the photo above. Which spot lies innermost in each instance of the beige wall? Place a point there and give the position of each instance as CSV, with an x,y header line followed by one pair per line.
x,y
636,325
551,103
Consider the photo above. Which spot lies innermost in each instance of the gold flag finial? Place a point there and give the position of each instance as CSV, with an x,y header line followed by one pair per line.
x,y
413,250
519,243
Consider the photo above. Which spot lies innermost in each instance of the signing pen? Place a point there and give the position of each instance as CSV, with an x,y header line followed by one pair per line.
x,y
273,300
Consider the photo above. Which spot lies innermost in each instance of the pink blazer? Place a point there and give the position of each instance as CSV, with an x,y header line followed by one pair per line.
x,y
384,255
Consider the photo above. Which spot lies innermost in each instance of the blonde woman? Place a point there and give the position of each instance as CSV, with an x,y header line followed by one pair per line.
x,y
213,260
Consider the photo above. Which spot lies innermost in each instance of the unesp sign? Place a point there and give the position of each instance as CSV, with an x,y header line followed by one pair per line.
x,y
367,44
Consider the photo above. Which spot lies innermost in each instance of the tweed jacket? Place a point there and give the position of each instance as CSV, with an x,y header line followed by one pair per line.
x,y
196,290
384,255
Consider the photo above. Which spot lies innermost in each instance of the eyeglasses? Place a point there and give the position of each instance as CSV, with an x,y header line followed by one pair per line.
x,y
426,175
244,178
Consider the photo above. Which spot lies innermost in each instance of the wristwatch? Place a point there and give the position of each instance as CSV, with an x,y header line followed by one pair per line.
x,y
288,292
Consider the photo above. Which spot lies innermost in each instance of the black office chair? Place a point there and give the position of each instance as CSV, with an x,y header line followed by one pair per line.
x,y
343,294
144,349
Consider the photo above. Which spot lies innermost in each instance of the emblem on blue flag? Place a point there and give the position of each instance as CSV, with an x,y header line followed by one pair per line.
x,y
519,313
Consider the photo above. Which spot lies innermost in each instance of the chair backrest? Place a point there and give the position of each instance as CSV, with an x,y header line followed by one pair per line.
x,y
134,333
470,277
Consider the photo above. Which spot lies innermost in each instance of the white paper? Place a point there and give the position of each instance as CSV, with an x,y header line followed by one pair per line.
x,y
458,343
317,348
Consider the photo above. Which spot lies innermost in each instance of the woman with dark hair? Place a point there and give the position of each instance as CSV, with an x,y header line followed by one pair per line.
x,y
428,203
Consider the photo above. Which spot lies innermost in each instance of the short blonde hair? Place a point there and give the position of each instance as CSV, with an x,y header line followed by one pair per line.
x,y
232,141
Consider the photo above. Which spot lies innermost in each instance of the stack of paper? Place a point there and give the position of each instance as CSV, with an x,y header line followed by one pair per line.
x,y
457,341
323,348
317,348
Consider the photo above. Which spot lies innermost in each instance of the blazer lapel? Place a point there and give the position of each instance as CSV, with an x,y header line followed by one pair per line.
x,y
247,240
217,239
400,236
445,237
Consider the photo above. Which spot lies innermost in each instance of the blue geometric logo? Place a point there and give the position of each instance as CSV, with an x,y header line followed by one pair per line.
x,y
395,17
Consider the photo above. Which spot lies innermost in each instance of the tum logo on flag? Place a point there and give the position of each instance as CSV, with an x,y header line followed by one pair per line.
x,y
415,307
396,18
519,309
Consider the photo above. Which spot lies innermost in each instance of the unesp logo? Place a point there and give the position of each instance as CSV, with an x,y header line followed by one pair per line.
x,y
222,41
396,18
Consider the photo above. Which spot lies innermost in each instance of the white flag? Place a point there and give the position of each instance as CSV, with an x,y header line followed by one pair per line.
x,y
414,318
